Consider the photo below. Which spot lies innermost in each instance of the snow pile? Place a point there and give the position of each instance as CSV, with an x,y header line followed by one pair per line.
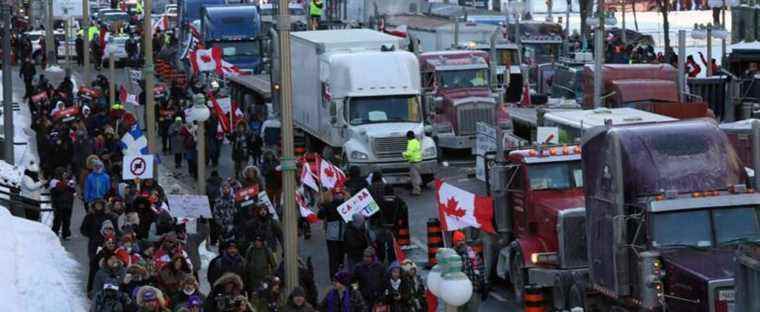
x,y
38,274
10,175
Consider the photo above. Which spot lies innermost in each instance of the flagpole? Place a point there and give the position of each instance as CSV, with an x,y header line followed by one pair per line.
x,y
148,71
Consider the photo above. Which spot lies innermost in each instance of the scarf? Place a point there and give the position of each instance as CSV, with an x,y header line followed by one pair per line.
x,y
332,301
395,283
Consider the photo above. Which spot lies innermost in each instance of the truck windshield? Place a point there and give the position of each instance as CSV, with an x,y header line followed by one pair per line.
x,y
234,50
697,227
468,78
556,175
690,228
377,109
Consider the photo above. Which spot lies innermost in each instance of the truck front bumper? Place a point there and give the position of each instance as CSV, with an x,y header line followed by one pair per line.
x,y
456,141
545,277
396,172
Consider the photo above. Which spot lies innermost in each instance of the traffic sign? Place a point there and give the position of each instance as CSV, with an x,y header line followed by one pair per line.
x,y
137,166
67,8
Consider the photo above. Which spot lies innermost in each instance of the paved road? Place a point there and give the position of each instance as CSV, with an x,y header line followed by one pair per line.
x,y
421,208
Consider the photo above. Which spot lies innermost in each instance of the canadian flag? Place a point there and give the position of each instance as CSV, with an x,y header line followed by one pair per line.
x,y
205,60
228,70
220,114
307,177
459,209
330,176
305,211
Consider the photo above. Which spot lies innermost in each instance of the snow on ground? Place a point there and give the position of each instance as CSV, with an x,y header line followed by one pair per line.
x,y
38,274
25,149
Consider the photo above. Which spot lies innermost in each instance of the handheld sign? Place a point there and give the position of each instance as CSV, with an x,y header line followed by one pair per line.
x,y
247,196
362,203
137,166
189,206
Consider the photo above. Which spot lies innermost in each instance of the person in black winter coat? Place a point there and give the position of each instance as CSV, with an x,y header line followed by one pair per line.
x,y
229,261
370,274
27,73
334,228
356,240
79,48
95,226
62,197
355,181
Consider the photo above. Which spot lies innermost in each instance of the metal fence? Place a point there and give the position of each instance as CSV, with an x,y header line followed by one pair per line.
x,y
23,206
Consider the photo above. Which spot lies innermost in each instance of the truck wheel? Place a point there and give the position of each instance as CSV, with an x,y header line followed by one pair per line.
x,y
517,275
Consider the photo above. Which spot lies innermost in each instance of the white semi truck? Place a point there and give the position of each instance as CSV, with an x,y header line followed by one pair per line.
x,y
356,94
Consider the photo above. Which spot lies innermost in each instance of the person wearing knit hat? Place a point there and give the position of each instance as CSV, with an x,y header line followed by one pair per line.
x,y
370,275
342,297
458,237
297,301
414,287
473,267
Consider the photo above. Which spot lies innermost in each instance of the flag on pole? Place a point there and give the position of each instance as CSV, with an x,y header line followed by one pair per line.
x,y
459,209
310,216
307,177
330,175
134,142
206,60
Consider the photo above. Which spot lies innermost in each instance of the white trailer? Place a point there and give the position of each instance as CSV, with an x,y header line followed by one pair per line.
x,y
358,94
439,33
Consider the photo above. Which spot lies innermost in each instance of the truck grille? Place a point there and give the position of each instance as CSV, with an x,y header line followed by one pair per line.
x,y
571,233
470,114
389,147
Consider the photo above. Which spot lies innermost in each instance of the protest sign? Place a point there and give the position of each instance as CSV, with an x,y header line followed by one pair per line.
x,y
362,203
189,206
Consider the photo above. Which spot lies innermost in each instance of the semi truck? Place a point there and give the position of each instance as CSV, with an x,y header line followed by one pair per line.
x,y
358,96
622,85
235,29
437,33
457,86
666,205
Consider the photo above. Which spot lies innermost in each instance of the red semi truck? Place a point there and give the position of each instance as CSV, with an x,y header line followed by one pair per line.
x,y
458,92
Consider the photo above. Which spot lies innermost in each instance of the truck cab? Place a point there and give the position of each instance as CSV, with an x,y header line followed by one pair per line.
x,y
509,77
544,200
666,206
235,29
456,83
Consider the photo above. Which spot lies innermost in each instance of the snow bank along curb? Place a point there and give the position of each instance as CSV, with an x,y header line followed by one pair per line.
x,y
38,274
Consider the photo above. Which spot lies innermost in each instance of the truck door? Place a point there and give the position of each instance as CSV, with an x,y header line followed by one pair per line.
x,y
516,196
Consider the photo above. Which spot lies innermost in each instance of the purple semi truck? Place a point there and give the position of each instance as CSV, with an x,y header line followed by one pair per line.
x,y
666,206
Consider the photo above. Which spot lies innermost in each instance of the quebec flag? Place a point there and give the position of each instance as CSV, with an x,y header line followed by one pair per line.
x,y
134,142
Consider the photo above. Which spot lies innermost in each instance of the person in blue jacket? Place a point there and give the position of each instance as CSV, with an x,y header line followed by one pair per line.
x,y
97,184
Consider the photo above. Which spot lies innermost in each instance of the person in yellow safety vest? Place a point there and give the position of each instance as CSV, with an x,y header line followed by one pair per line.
x,y
413,155
139,7
92,31
315,12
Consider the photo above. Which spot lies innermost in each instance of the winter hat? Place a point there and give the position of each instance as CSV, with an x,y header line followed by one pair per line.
x,y
458,236
394,265
369,252
106,224
297,292
358,219
194,301
407,265
343,277
149,295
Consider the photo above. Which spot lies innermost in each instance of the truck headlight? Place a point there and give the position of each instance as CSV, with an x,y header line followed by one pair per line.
x,y
429,152
725,300
358,155
544,258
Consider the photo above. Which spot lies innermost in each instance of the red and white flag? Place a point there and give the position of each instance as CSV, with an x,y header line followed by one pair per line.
x,y
206,60
162,23
307,177
305,211
459,209
228,70
330,176
220,114
126,98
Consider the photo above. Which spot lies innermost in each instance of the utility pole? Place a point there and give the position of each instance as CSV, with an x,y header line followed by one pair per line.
x,y
599,56
7,86
49,40
625,37
288,162
66,36
111,75
150,114
86,39
681,65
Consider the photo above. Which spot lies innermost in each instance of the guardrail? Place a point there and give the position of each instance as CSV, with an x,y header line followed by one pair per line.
x,y
23,206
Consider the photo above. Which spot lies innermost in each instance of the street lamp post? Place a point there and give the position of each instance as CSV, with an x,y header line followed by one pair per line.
x,y
598,25
447,281
199,113
86,39
150,114
111,50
